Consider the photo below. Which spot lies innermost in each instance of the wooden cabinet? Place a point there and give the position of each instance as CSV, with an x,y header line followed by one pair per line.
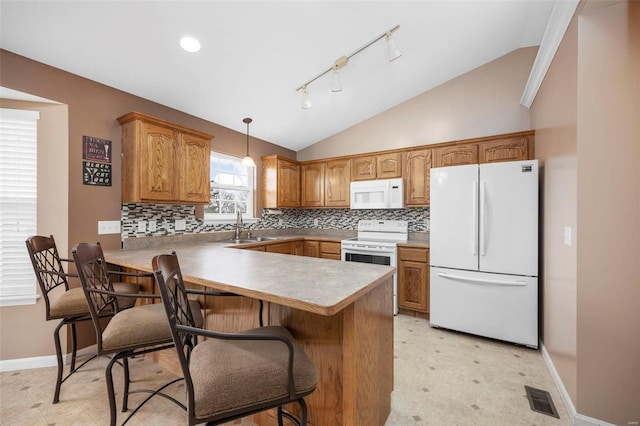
x,y
455,155
163,162
280,182
337,183
330,250
312,185
509,149
284,248
312,248
417,177
413,279
363,168
382,166
389,165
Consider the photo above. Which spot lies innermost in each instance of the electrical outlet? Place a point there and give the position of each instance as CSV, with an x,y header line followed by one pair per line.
x,y
142,227
280,222
181,224
315,222
152,226
108,227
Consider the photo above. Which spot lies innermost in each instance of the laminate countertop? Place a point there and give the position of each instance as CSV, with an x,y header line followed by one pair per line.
x,y
320,286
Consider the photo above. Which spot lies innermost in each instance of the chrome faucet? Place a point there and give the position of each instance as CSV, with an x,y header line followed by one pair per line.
x,y
238,223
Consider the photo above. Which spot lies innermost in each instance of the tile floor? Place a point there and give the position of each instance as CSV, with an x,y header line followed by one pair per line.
x,y
441,378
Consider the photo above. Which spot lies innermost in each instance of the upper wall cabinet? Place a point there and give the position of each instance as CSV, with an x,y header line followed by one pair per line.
x,y
163,162
508,149
455,155
337,184
417,173
382,166
280,182
312,185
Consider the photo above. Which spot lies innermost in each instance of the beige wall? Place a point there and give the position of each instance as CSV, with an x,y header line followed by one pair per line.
x,y
482,102
92,111
35,337
553,116
587,122
608,117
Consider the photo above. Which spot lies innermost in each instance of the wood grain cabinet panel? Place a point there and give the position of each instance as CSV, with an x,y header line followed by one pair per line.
x,y
363,168
195,154
280,182
312,185
330,250
382,166
163,162
417,169
337,183
511,149
413,279
455,155
312,248
389,166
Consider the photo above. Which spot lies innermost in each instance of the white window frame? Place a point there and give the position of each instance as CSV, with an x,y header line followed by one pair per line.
x,y
231,217
18,188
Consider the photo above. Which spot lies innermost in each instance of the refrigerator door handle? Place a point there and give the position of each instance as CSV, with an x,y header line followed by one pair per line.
x,y
483,215
474,224
482,281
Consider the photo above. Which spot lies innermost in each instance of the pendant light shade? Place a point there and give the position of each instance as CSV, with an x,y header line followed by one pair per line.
x,y
247,161
336,86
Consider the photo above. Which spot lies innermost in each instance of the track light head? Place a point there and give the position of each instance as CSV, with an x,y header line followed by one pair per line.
x,y
306,102
394,52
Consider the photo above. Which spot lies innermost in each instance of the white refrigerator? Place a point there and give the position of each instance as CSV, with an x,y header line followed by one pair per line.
x,y
484,250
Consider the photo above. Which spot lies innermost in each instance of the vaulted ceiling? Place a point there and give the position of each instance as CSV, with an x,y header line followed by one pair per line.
x,y
256,54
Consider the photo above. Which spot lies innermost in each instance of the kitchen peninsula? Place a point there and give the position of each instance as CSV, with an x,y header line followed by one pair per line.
x,y
340,312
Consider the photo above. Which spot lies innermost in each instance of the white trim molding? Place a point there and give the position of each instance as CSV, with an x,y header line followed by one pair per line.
x,y
27,363
576,419
559,20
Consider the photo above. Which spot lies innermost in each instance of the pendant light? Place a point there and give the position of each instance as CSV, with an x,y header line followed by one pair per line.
x,y
247,161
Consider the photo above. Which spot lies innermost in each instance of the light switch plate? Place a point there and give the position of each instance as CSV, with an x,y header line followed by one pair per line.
x,y
108,227
142,227
152,226
567,236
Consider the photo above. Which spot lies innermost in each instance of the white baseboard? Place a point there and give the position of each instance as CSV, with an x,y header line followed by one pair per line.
x,y
43,361
28,363
576,419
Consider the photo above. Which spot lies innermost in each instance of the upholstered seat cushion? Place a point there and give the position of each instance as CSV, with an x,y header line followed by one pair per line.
x,y
73,301
145,325
229,375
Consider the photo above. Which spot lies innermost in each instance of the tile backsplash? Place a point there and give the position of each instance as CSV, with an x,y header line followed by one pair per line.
x,y
165,216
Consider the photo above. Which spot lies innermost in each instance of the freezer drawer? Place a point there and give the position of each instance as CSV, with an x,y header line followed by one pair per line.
x,y
503,307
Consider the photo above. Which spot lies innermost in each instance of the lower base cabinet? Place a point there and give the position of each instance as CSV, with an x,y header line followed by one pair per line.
x,y
413,279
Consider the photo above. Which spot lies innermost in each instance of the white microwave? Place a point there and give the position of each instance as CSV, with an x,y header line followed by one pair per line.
x,y
377,194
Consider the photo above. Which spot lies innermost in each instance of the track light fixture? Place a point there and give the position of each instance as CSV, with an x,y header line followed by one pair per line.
x,y
341,62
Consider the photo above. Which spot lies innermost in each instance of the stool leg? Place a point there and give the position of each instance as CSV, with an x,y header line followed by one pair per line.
x,y
56,339
74,346
125,397
110,390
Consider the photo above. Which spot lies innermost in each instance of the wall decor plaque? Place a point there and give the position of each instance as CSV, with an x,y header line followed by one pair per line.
x,y
94,173
96,149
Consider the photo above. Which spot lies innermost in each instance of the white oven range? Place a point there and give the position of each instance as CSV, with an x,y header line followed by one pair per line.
x,y
376,243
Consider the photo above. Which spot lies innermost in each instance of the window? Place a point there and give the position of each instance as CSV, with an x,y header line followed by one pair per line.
x,y
231,188
18,201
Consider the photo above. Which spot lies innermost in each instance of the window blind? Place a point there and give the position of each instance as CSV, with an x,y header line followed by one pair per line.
x,y
18,203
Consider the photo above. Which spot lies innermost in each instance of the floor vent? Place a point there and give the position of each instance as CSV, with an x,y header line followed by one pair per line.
x,y
541,402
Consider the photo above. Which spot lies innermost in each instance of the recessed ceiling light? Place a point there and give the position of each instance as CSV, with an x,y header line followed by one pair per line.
x,y
189,44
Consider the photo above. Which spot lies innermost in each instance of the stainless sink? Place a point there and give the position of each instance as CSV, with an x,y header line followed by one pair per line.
x,y
251,240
